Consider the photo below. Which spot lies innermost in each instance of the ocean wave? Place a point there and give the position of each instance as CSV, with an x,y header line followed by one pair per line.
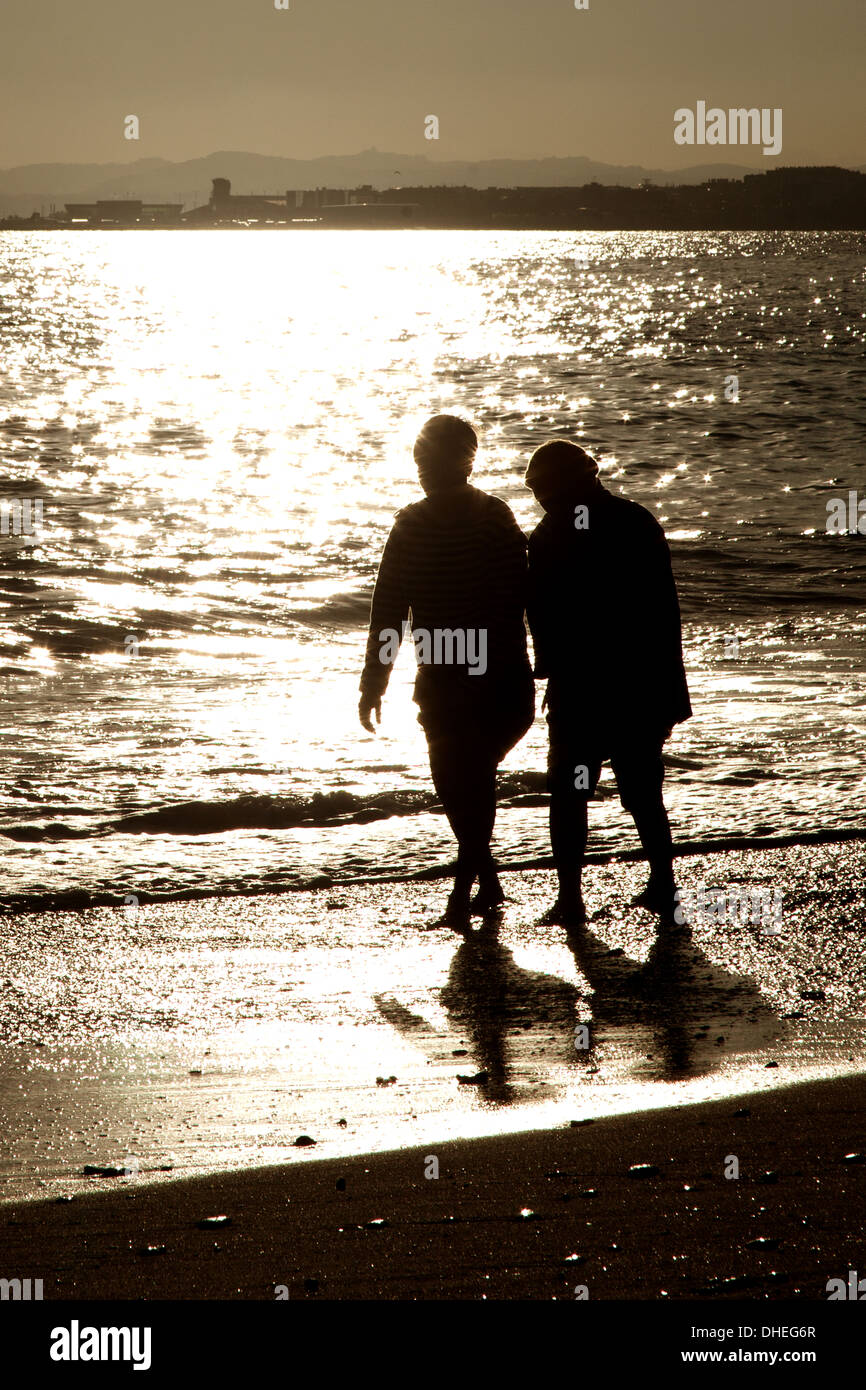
x,y
278,883
330,808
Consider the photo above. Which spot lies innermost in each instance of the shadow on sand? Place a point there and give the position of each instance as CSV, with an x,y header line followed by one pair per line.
x,y
674,1016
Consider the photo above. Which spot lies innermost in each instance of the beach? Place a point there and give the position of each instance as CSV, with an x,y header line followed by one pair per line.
x,y
351,354
346,1020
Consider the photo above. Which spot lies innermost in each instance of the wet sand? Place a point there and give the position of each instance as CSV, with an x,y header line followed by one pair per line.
x,y
555,1214
210,1035
188,1041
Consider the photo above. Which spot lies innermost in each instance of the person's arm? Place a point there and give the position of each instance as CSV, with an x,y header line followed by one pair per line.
x,y
536,606
389,610
661,592
513,567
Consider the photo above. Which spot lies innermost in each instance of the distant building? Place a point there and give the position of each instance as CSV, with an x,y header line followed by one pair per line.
x,y
359,207
368,214
225,206
794,198
124,212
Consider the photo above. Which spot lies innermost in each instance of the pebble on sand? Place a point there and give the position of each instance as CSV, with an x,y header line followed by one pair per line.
x,y
304,1141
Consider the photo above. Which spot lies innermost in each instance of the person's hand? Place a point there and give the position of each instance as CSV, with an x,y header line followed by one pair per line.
x,y
366,707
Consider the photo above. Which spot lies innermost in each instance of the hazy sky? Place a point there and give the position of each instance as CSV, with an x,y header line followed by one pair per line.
x,y
505,77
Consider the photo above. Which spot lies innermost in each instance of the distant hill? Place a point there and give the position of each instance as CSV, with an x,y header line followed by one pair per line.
x,y
31,186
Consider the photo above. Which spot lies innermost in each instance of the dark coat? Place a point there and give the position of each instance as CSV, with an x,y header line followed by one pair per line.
x,y
604,615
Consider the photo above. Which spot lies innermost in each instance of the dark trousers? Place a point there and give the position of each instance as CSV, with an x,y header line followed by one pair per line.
x,y
467,738
581,739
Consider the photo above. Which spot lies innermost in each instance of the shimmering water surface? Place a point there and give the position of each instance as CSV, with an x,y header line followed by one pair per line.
x,y
219,425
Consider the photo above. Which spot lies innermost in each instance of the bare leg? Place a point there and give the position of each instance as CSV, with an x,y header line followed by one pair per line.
x,y
568,836
640,774
653,827
466,784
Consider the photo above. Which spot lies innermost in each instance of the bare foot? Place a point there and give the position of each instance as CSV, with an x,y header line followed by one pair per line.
x,y
489,898
565,912
659,898
457,912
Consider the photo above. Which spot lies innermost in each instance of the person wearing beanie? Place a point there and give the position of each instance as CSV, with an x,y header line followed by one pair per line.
x,y
605,623
454,572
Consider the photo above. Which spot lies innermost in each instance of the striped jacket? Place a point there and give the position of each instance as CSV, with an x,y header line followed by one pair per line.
x,y
452,563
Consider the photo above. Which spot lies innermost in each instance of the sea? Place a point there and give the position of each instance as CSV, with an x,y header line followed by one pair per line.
x,y
205,436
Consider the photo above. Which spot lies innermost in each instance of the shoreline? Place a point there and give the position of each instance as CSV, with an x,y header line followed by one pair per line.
x,y
685,849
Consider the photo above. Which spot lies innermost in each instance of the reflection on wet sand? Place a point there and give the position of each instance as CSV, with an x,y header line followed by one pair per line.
x,y
672,1017
677,1012
514,1022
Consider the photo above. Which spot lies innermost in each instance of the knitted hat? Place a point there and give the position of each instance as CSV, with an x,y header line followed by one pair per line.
x,y
559,467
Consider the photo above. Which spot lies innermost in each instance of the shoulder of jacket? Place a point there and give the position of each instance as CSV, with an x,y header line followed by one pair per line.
x,y
496,504
406,515
637,514
541,532
502,516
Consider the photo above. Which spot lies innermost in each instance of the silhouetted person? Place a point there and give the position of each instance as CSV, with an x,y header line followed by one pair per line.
x,y
605,622
456,561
